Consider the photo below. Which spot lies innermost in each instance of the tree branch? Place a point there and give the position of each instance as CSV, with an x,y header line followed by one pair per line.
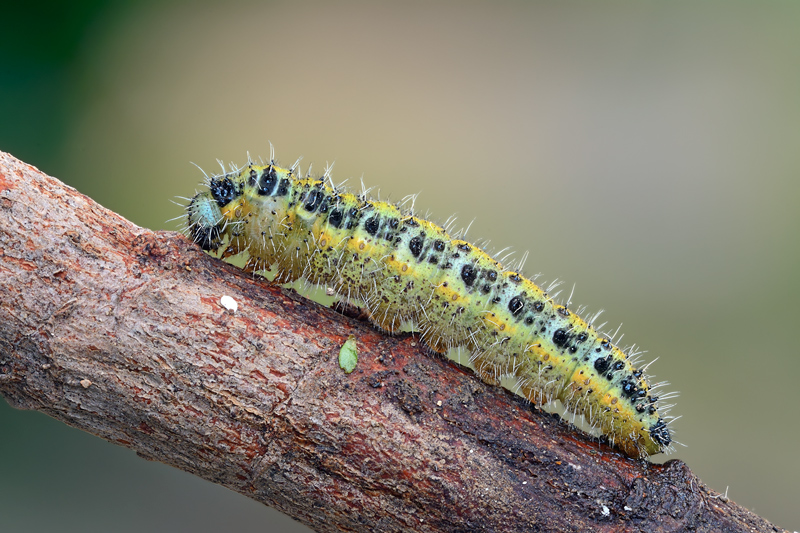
x,y
119,331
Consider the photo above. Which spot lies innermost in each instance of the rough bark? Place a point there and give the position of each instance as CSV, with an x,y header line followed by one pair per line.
x,y
119,331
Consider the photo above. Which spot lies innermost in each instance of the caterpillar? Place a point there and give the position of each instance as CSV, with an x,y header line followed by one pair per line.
x,y
405,269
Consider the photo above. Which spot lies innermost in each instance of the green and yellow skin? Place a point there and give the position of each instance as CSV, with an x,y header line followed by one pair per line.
x,y
403,268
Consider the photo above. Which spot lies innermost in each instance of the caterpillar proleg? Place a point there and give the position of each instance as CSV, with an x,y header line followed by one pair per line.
x,y
403,268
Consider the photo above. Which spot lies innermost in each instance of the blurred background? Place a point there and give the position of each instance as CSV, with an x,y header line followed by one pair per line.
x,y
647,152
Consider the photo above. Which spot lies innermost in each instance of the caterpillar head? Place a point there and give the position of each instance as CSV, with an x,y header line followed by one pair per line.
x,y
205,221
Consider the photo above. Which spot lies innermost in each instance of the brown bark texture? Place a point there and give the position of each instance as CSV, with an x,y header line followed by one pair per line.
x,y
119,331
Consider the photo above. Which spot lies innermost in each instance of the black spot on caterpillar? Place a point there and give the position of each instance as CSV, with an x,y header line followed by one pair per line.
x,y
406,269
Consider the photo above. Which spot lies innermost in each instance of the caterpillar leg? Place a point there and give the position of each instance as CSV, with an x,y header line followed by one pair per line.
x,y
350,310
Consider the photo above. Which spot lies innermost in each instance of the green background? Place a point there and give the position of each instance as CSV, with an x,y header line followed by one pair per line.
x,y
647,152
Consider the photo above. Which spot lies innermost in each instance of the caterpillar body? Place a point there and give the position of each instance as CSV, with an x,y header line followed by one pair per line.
x,y
403,268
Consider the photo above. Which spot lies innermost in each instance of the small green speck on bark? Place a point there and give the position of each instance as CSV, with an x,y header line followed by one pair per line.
x,y
348,355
